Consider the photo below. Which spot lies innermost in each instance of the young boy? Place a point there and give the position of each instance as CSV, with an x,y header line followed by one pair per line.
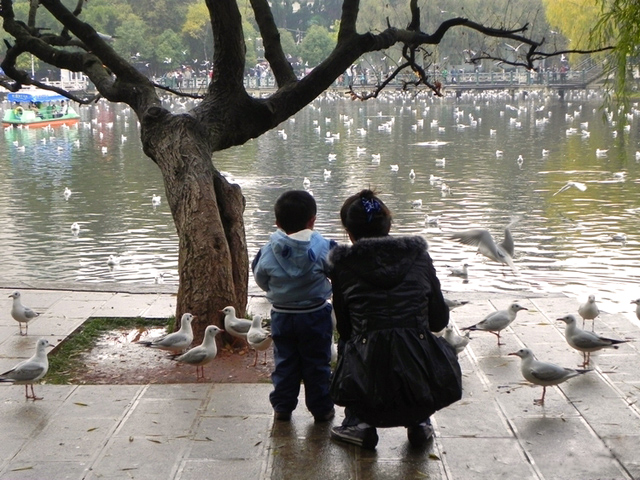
x,y
292,269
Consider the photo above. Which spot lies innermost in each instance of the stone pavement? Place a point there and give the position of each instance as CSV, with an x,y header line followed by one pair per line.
x,y
588,429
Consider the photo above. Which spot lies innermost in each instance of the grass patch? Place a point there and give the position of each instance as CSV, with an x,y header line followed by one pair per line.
x,y
67,357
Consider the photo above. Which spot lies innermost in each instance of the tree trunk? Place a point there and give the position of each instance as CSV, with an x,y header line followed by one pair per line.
x,y
207,210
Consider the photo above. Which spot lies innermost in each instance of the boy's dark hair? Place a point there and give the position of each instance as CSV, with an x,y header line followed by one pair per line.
x,y
294,209
365,215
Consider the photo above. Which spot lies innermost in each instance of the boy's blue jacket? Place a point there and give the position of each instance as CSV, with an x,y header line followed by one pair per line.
x,y
293,271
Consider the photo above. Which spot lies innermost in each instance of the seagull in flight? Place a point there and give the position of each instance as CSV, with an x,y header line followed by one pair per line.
x,y
501,253
580,186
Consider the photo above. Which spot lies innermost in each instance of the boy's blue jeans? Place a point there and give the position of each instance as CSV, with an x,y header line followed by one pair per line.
x,y
302,352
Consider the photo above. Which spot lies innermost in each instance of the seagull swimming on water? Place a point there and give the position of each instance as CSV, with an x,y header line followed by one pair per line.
x,y
20,313
30,371
175,342
543,373
204,353
585,341
497,321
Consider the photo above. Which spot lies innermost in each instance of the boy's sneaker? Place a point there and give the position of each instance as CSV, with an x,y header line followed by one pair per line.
x,y
326,417
420,435
363,437
282,416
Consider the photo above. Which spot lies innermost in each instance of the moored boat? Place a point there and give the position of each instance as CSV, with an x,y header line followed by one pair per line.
x,y
39,108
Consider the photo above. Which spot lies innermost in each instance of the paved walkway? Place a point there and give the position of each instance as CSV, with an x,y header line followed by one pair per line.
x,y
588,429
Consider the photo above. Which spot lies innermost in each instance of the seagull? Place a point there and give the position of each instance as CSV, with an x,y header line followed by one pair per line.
x,y
155,200
259,338
306,183
416,203
543,373
236,327
67,193
456,341
395,167
497,321
175,342
113,261
454,303
460,272
580,186
75,228
589,310
412,174
29,371
429,220
501,253
20,313
637,302
204,353
584,340
326,173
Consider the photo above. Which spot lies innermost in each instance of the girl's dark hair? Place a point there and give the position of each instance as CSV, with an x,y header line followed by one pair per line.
x,y
294,209
365,215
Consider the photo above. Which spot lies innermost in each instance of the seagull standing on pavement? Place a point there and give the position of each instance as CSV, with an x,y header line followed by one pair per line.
x,y
204,353
584,340
589,311
543,373
497,321
456,341
176,342
259,338
236,327
454,303
637,302
20,313
30,371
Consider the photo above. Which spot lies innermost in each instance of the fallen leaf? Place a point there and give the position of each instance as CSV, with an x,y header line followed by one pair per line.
x,y
80,404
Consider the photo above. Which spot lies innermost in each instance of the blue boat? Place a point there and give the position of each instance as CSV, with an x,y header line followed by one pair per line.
x,y
39,108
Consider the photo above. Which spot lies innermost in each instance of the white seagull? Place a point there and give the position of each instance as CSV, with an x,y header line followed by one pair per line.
x,y
501,253
454,303
543,373
460,272
259,338
580,186
589,311
156,200
585,341
236,327
637,302
497,321
175,342
67,193
204,353
20,313
30,371
456,341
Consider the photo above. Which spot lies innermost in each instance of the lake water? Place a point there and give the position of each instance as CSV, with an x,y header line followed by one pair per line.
x,y
563,242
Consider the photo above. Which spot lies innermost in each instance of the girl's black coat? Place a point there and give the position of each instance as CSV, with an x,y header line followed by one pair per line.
x,y
392,370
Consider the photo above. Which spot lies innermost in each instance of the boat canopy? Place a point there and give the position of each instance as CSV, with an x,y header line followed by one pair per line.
x,y
35,96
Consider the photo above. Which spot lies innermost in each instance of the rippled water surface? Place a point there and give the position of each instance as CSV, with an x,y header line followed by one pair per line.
x,y
563,242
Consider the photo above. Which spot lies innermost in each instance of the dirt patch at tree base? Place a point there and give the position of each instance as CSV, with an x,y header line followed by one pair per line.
x,y
117,360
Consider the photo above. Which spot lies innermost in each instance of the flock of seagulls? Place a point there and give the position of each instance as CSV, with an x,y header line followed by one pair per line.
x,y
540,373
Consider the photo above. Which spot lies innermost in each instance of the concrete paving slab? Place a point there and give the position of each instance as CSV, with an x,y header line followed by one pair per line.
x,y
164,306
240,399
625,449
230,438
170,418
76,307
568,442
202,469
127,305
485,459
39,469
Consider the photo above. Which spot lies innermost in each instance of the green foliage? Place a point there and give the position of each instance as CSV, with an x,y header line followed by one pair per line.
x,y
67,356
316,46
132,39
169,49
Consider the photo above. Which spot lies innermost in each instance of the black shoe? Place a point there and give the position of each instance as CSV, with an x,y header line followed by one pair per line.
x,y
420,435
326,417
282,416
363,437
